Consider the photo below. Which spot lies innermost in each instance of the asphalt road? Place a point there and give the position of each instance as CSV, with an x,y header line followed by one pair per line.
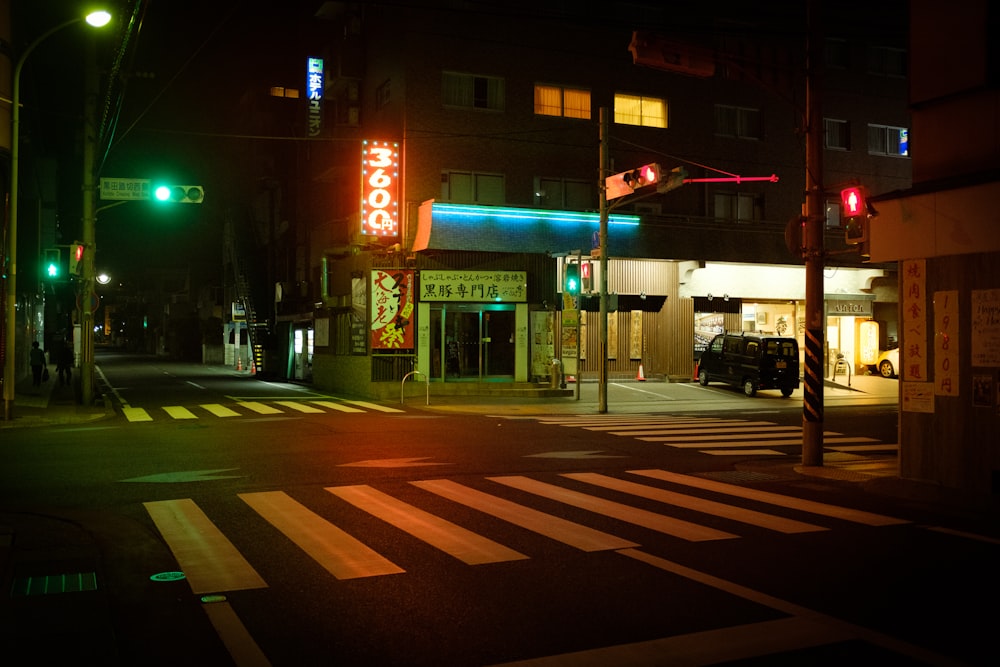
x,y
406,534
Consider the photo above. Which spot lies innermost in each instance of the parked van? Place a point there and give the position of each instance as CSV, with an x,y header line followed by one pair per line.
x,y
751,361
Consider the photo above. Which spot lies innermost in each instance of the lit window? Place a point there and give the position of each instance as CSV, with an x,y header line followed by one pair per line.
x,y
888,140
470,91
281,91
558,101
639,110
836,134
739,122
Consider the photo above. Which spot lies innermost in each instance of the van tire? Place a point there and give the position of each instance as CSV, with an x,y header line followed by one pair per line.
x,y
749,387
703,378
786,391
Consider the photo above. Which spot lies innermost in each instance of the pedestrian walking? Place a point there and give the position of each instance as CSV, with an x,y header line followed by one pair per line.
x,y
64,362
37,359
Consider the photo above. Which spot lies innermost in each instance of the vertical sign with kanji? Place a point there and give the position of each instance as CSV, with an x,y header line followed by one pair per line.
x,y
917,392
946,343
392,309
314,95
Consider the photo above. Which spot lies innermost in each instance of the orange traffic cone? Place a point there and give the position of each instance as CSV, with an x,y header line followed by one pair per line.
x,y
253,367
239,363
639,376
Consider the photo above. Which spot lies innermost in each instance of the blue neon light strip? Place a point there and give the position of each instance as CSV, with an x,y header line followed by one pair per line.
x,y
473,213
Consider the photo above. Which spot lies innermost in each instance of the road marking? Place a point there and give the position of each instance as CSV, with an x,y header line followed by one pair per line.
x,y
208,559
561,530
337,406
374,406
186,476
301,407
178,412
706,439
805,627
408,462
744,452
685,530
823,509
220,410
136,414
470,548
764,428
339,553
260,408
881,446
708,647
627,427
234,635
580,454
703,505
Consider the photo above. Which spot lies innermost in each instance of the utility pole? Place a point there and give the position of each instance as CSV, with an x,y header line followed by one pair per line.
x,y
602,347
89,223
815,214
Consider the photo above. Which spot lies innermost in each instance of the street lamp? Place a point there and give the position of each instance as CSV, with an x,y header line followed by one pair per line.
x,y
96,19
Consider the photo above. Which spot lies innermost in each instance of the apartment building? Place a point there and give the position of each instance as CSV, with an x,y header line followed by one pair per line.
x,y
450,169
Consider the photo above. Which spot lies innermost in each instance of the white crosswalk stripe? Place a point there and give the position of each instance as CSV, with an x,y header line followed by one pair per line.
x,y
249,408
718,437
342,543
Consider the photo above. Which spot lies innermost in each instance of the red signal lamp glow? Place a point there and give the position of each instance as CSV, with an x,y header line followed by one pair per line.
x,y
853,199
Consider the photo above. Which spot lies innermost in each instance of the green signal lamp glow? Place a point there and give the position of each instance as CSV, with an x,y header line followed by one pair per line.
x,y
179,194
53,259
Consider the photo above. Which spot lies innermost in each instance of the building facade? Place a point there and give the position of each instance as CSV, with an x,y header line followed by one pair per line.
x,y
943,234
444,251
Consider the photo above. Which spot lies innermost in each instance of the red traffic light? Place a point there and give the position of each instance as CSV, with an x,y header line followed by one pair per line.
x,y
853,199
648,174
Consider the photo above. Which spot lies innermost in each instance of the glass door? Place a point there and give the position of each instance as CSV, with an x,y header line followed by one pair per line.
x,y
472,342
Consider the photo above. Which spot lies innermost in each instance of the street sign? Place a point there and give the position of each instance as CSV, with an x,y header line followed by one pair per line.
x,y
95,302
125,189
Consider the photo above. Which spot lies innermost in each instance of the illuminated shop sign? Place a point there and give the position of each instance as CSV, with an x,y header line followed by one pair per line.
x,y
314,95
392,310
474,286
379,188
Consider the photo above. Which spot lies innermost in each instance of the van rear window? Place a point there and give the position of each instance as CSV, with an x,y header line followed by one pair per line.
x,y
781,349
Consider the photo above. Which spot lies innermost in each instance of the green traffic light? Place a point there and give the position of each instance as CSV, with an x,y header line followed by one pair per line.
x,y
572,278
162,193
52,271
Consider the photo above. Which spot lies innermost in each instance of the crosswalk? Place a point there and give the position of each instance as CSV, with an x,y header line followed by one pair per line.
x,y
252,408
332,535
715,436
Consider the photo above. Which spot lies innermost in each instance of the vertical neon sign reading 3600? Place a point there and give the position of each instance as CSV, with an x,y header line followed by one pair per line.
x,y
379,188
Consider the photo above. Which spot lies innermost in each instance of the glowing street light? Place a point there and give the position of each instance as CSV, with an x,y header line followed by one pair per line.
x,y
96,19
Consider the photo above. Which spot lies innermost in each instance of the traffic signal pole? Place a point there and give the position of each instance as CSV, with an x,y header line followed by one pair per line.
x,y
815,214
602,347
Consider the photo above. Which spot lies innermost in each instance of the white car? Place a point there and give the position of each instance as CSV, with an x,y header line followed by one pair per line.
x,y
888,363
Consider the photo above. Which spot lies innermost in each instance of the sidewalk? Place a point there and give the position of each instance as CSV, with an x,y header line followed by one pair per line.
x,y
52,403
